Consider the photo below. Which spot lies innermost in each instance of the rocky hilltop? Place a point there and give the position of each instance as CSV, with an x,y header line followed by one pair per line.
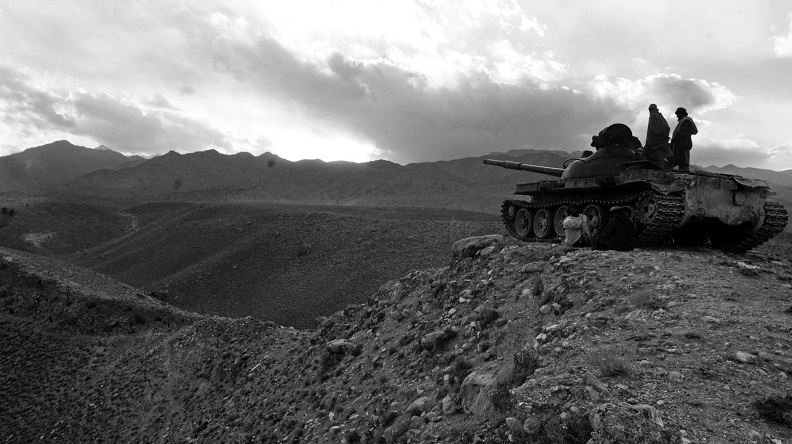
x,y
509,342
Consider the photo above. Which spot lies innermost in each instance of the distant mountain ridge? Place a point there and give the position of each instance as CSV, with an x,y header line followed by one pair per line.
x,y
211,176
54,164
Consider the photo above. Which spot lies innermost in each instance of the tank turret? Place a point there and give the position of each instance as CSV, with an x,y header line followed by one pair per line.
x,y
731,212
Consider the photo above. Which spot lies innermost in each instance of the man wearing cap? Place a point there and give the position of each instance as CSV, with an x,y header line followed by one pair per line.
x,y
681,141
656,147
619,233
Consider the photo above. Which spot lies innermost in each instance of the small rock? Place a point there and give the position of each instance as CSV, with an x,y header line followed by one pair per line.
x,y
754,435
533,267
514,425
595,383
545,309
487,251
339,346
531,425
744,266
711,320
745,358
450,405
675,377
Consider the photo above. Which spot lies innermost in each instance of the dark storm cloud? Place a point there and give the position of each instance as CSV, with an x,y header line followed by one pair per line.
x,y
105,118
689,93
23,103
131,129
402,115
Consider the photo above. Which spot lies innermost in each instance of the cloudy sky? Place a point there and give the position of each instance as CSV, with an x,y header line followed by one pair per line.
x,y
403,80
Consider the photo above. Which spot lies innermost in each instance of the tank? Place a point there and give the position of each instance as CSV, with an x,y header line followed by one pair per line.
x,y
668,207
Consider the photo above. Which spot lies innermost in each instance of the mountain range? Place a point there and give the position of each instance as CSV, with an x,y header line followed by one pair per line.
x,y
211,176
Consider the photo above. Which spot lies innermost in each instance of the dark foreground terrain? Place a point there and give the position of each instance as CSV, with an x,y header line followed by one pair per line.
x,y
514,343
282,263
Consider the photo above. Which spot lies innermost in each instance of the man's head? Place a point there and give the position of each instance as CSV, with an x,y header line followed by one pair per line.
x,y
681,112
618,209
573,211
653,107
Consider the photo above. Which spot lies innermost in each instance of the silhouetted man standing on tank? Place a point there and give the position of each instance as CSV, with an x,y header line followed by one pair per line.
x,y
656,147
681,141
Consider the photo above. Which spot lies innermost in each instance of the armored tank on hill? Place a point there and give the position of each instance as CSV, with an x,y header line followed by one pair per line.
x,y
726,211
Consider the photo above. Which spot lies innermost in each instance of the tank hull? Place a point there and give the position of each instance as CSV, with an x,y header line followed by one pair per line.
x,y
727,212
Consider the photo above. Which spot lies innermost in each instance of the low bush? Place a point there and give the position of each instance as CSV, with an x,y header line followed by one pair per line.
x,y
612,360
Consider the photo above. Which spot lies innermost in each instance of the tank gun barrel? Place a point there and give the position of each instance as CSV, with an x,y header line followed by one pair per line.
x,y
550,171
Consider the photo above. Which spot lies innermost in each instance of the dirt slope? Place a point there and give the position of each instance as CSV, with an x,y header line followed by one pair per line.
x,y
287,264
521,343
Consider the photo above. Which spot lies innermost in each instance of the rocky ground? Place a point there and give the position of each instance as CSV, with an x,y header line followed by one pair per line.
x,y
509,342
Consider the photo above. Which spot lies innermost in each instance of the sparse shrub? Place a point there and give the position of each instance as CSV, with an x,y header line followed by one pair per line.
x,y
748,272
487,316
647,300
305,248
612,360
137,319
538,287
777,409
690,334
461,369
574,429
352,437
788,310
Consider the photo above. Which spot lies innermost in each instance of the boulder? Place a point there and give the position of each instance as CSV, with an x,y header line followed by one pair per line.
x,y
340,346
471,246
420,405
436,340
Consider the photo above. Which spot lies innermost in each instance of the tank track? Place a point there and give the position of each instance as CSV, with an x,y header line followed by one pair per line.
x,y
775,222
669,213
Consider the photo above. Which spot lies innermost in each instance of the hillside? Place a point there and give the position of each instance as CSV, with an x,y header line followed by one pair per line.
x,y
282,263
507,343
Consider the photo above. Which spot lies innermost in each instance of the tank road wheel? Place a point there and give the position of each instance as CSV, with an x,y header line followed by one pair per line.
x,y
597,218
646,210
558,220
543,223
523,224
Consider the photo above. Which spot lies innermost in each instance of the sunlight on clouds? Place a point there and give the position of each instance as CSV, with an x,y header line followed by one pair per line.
x,y
782,44
780,155
321,144
665,90
442,40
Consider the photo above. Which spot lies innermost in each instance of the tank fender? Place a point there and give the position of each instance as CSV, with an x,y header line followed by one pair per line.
x,y
750,183
673,187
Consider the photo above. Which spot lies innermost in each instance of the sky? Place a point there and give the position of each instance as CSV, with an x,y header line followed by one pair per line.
x,y
401,80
